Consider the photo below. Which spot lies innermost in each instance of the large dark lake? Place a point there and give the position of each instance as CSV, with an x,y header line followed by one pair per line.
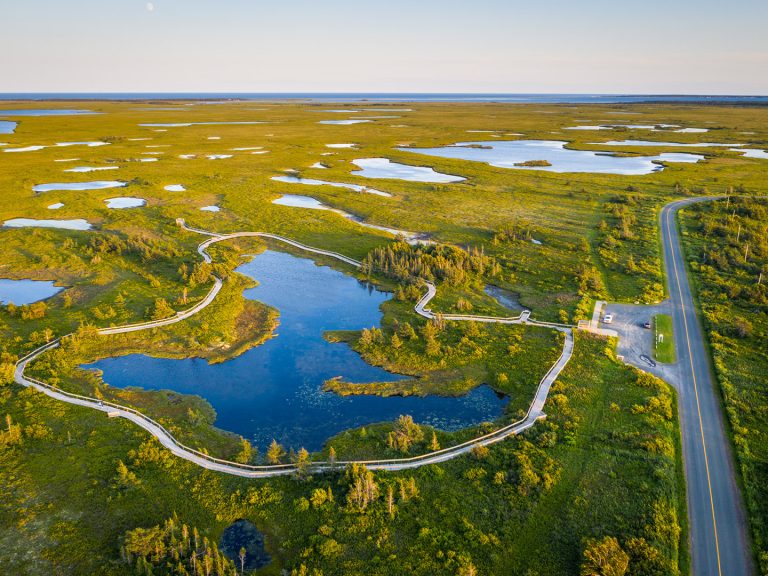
x,y
275,390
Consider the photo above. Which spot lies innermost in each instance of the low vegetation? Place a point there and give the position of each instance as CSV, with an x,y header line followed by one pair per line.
x,y
664,338
81,492
595,487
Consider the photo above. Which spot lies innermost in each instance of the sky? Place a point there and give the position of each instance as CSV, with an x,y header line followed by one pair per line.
x,y
509,46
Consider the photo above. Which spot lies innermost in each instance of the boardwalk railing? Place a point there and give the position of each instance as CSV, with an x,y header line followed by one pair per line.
x,y
159,431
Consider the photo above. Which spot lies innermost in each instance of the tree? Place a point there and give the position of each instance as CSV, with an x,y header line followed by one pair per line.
x,y
6,372
241,555
246,454
161,310
396,342
391,502
362,488
406,331
434,445
275,452
405,434
366,339
433,347
302,462
125,478
604,558
319,497
332,456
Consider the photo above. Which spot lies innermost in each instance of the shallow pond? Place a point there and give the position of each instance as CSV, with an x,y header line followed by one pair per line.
x,y
74,224
36,147
669,144
44,112
751,152
514,153
212,208
504,297
343,122
385,168
91,168
124,202
95,185
175,188
7,127
298,201
244,534
313,182
22,292
274,390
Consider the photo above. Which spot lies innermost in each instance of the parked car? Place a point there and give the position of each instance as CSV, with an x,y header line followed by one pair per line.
x,y
647,325
608,318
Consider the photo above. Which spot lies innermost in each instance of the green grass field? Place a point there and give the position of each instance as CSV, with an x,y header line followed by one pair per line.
x,y
606,462
664,348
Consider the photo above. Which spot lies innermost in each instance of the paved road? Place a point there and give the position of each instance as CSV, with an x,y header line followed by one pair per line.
x,y
535,410
718,531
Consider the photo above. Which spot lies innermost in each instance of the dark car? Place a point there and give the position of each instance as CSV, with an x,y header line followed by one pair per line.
x,y
647,325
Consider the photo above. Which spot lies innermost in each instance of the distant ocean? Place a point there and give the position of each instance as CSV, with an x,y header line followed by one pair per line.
x,y
395,97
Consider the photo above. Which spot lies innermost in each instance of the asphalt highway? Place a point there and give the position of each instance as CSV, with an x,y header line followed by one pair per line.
x,y
718,531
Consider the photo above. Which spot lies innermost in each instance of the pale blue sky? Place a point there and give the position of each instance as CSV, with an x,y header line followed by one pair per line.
x,y
655,46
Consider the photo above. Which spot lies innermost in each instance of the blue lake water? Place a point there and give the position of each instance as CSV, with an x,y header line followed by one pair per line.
x,y
510,153
7,127
43,112
275,390
22,292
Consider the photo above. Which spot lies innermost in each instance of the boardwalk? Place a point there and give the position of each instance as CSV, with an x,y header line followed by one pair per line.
x,y
535,410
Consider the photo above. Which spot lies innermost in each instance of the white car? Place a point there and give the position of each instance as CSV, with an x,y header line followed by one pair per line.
x,y
608,318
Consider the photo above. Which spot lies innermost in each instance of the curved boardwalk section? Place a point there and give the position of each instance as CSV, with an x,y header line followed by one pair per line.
x,y
535,410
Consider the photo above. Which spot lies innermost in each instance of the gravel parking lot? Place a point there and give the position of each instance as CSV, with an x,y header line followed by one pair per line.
x,y
635,341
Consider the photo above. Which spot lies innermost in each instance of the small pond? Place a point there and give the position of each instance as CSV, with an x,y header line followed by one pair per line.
x,y
125,202
343,122
212,208
175,188
298,201
91,168
95,185
36,147
275,390
504,297
669,144
313,182
75,224
516,153
44,112
22,292
7,127
751,152
244,534
385,168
